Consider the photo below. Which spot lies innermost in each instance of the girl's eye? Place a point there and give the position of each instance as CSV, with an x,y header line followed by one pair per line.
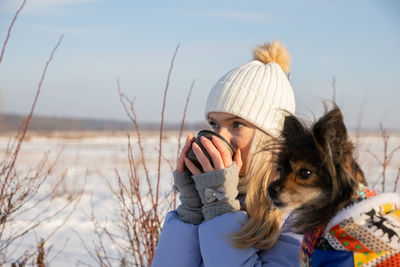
x,y
237,124
213,125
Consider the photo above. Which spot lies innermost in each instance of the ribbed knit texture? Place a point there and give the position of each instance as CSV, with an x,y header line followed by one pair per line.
x,y
189,210
257,92
227,178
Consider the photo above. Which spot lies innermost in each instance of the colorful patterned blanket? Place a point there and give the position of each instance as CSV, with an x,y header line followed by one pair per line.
x,y
366,233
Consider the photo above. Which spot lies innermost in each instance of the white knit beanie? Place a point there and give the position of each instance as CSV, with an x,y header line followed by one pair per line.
x,y
259,91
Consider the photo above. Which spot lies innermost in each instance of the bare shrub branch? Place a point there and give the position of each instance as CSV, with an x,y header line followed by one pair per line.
x,y
397,180
130,111
184,117
142,206
24,203
387,157
22,132
162,128
10,29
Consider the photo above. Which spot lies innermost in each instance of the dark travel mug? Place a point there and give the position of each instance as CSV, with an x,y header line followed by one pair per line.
x,y
207,134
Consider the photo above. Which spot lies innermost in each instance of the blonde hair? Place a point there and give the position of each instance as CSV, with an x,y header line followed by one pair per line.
x,y
263,227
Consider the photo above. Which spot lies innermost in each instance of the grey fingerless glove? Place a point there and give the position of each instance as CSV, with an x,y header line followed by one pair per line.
x,y
189,210
218,191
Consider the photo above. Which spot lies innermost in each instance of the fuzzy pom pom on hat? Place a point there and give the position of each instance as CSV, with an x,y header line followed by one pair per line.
x,y
259,91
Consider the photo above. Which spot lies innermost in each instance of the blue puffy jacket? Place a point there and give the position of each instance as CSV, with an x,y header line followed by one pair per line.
x,y
186,245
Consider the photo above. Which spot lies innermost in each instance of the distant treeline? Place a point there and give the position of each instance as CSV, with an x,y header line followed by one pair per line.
x,y
11,123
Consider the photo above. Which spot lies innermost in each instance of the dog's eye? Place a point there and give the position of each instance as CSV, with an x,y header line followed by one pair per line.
x,y
304,173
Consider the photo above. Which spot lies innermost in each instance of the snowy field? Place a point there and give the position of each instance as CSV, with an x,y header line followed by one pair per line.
x,y
95,158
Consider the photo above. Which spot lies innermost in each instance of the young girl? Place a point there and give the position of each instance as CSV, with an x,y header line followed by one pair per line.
x,y
225,217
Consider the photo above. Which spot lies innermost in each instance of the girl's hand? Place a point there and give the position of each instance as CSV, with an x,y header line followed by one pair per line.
x,y
180,163
219,154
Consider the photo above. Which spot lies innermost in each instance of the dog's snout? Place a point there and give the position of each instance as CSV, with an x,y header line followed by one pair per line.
x,y
273,190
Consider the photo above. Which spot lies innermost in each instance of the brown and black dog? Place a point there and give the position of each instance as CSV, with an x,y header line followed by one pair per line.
x,y
317,173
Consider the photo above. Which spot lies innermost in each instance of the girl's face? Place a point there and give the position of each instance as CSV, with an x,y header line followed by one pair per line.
x,y
236,130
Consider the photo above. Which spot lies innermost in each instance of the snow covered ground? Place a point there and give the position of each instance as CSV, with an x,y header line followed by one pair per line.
x,y
96,158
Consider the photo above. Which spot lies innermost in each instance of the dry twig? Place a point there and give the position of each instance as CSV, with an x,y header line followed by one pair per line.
x,y
10,30
397,180
141,206
387,157
184,117
19,194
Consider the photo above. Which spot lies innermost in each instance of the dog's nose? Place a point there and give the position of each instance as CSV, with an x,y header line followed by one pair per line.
x,y
273,190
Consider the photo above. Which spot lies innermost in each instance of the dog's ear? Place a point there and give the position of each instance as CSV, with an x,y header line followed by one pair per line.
x,y
292,127
330,132
331,136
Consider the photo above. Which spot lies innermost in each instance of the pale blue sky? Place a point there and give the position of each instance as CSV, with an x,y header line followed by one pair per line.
x,y
356,41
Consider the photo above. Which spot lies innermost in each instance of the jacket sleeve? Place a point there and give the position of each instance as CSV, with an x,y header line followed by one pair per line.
x,y
216,249
284,253
178,244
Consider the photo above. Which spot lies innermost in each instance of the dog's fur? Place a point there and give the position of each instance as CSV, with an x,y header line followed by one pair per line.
x,y
317,173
